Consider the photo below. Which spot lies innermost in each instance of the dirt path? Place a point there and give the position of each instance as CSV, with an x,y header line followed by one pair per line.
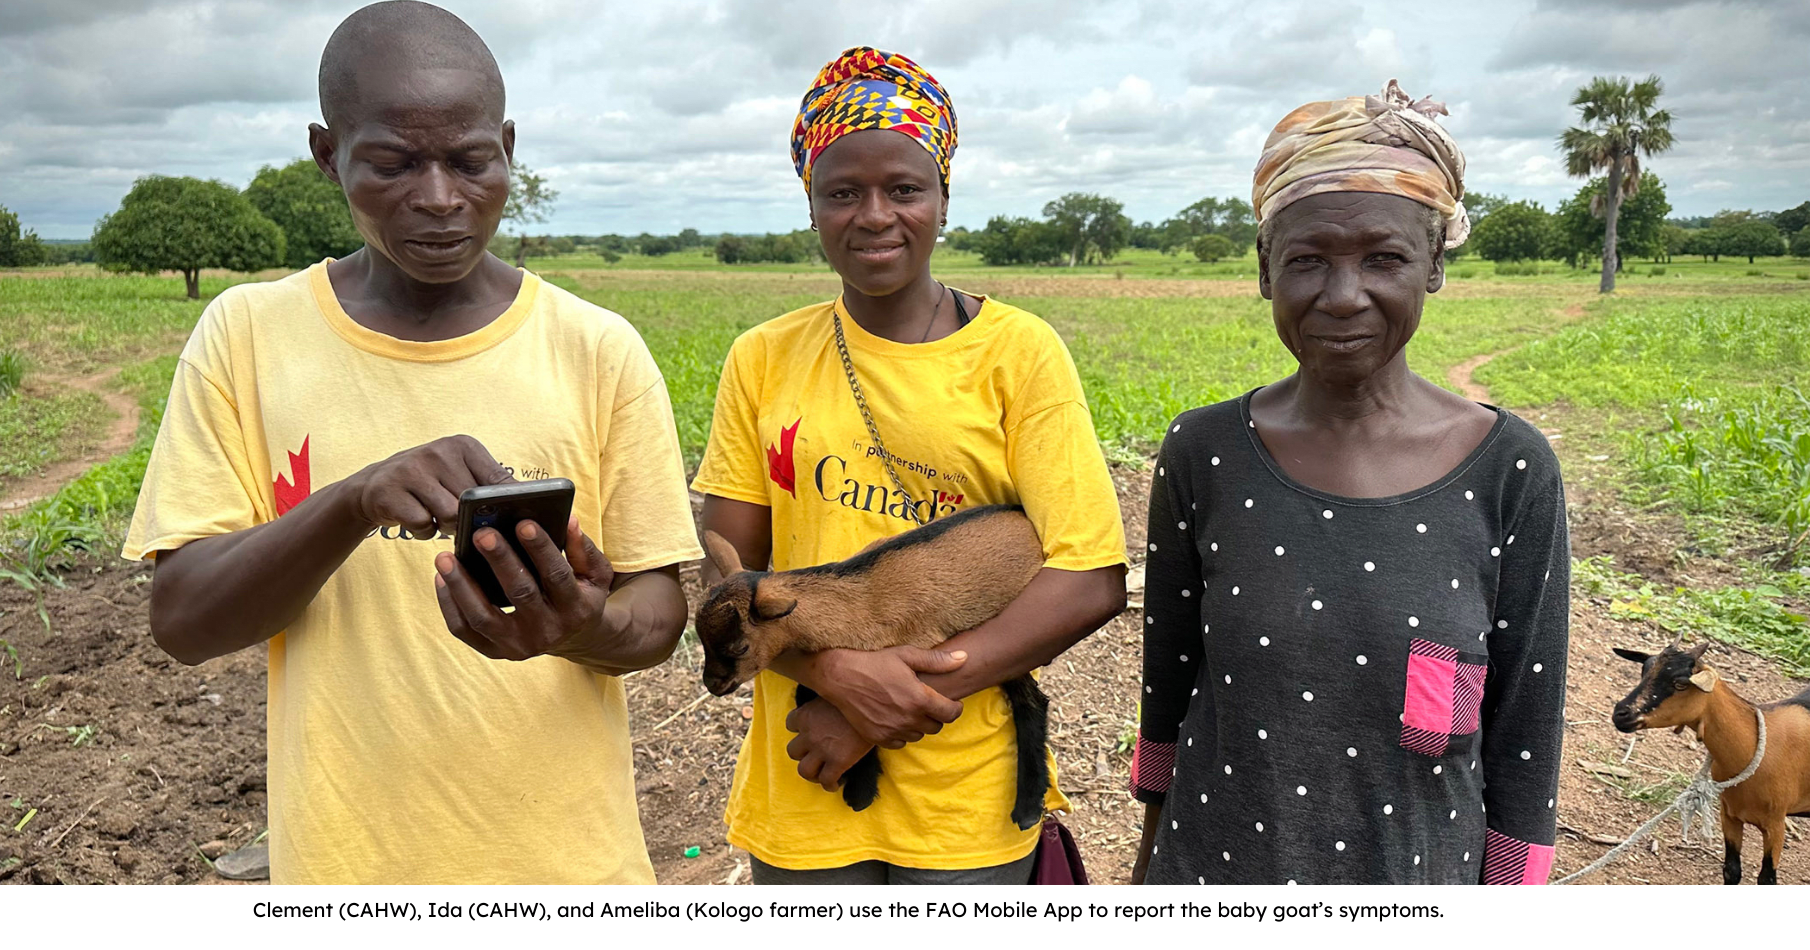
x,y
1460,376
117,439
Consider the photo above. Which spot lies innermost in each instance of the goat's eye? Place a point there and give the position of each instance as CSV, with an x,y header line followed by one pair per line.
x,y
1681,683
739,649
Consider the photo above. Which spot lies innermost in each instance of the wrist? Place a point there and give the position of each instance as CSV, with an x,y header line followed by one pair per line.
x,y
346,497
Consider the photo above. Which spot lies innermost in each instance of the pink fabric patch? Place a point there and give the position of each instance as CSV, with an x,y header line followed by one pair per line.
x,y
1510,861
1539,864
1428,704
1152,765
1467,698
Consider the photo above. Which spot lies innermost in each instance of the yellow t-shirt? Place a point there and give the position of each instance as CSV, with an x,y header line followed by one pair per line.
x,y
991,414
397,753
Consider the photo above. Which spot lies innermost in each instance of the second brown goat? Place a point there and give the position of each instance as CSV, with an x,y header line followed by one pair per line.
x,y
916,589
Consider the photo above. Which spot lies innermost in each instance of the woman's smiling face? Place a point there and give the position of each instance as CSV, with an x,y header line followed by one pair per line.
x,y
1347,274
877,201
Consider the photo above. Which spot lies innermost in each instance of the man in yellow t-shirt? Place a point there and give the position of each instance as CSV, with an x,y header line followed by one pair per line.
x,y
301,492
968,402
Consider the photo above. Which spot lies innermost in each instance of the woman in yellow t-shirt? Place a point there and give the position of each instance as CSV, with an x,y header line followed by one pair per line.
x,y
972,402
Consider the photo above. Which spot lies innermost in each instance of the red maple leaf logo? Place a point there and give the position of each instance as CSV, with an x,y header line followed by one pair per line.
x,y
290,492
779,464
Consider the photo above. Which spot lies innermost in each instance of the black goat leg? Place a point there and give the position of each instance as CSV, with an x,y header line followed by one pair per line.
x,y
1031,724
861,783
1731,863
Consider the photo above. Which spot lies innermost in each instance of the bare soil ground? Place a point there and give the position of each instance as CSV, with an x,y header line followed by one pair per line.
x,y
139,767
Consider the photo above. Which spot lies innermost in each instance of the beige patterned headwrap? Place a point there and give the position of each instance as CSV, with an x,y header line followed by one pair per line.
x,y
1387,144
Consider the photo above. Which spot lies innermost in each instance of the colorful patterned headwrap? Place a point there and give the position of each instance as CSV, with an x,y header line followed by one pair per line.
x,y
866,88
1387,144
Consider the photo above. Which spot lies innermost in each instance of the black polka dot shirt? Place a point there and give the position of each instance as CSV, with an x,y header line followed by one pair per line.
x,y
1352,690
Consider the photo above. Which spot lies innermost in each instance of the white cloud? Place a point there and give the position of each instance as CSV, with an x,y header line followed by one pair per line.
x,y
660,116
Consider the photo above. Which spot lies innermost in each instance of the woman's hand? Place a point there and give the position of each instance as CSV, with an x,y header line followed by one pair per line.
x,y
880,695
826,746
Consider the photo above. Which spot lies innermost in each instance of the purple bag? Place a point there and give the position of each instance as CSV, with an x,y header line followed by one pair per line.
x,y
1058,859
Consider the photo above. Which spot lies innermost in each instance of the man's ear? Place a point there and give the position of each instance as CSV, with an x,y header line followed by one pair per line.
x,y
1436,276
509,140
722,555
324,146
1263,272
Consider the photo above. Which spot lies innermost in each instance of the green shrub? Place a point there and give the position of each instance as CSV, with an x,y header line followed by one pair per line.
x,y
1517,269
12,372
1656,272
1750,459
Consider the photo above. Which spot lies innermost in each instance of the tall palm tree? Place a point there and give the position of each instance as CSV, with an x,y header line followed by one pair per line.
x,y
1620,124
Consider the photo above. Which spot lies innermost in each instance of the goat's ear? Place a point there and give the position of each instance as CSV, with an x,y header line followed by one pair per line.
x,y
771,602
1704,679
721,554
1634,655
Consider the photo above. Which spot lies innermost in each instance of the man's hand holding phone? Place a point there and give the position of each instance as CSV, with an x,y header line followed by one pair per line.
x,y
560,605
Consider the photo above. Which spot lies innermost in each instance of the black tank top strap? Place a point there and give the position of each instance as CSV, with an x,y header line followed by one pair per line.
x,y
961,309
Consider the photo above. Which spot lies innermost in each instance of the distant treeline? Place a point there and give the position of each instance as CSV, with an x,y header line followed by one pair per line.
x,y
1504,230
293,216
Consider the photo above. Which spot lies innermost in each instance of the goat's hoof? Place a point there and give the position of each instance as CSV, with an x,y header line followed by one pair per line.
x,y
1772,878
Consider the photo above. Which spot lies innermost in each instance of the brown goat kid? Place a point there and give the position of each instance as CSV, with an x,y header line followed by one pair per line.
x,y
1678,689
916,589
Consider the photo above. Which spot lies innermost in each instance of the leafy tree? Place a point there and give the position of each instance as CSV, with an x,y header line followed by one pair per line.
x,y
1521,231
1672,239
1752,238
18,248
530,202
1580,226
1793,220
310,209
1706,242
690,238
1018,241
794,248
185,224
1093,227
1211,247
1228,217
1621,122
1800,242
657,246
1147,236
1479,204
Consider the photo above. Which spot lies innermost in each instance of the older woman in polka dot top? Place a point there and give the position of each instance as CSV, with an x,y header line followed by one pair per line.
x,y
1356,604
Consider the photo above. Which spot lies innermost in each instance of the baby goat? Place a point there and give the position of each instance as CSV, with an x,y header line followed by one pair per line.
x,y
916,589
1678,689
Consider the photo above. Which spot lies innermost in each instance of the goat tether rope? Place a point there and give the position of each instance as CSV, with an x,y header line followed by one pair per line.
x,y
1696,803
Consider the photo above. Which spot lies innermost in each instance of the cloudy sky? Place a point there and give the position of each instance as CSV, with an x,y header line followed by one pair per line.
x,y
654,116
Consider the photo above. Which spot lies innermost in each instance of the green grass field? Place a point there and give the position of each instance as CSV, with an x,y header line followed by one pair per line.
x,y
1692,377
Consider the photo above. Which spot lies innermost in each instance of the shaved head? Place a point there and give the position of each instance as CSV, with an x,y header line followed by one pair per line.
x,y
386,40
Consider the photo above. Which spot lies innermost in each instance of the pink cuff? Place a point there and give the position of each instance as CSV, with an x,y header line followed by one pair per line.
x,y
1508,861
1152,766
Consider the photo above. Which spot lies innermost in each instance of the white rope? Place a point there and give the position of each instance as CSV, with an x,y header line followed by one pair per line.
x,y
1697,803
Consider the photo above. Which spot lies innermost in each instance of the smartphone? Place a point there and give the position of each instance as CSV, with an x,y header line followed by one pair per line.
x,y
546,502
